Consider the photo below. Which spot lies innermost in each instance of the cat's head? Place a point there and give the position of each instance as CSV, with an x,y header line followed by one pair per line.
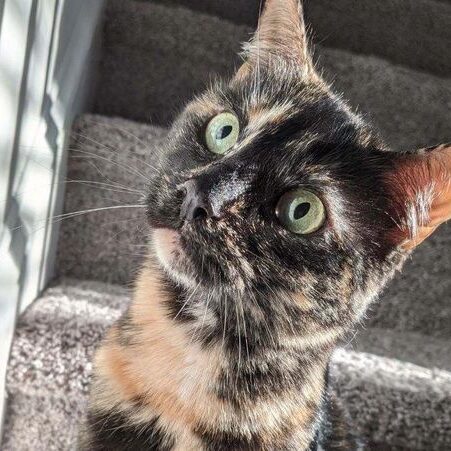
x,y
270,182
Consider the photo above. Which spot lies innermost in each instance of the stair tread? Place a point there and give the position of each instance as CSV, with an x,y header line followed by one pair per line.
x,y
398,404
56,335
50,365
394,377
59,332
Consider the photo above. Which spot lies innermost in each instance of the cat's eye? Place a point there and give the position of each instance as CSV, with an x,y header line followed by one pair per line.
x,y
301,211
222,133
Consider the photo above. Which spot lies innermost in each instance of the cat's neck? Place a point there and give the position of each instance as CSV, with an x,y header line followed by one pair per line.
x,y
256,382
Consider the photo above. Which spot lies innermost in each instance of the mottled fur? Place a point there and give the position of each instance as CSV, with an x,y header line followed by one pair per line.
x,y
227,342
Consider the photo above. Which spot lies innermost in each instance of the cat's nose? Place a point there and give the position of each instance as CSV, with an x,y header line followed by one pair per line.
x,y
197,204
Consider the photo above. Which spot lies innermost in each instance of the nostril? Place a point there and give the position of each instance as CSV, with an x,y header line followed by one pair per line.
x,y
199,213
182,188
196,204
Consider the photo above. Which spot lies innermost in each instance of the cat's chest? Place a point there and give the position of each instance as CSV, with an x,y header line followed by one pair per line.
x,y
200,393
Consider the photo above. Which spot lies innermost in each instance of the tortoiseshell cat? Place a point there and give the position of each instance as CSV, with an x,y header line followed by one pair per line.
x,y
277,217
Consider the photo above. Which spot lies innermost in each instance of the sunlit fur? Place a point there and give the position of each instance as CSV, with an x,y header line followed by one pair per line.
x,y
227,342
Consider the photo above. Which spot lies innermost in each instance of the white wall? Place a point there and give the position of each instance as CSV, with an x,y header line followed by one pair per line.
x,y
47,52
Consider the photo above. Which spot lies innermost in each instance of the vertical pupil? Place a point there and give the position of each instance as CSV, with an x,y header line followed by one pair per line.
x,y
223,132
301,210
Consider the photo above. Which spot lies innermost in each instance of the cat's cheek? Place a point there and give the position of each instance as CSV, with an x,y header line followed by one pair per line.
x,y
167,246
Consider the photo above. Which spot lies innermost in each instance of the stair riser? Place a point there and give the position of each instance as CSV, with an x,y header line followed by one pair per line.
x,y
415,33
156,58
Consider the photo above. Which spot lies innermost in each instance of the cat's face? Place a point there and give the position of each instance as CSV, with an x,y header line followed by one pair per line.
x,y
269,182
299,159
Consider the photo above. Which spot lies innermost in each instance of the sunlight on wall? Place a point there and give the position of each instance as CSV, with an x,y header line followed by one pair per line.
x,y
45,55
13,50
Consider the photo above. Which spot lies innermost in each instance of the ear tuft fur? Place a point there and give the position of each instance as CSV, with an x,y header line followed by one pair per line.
x,y
421,188
281,33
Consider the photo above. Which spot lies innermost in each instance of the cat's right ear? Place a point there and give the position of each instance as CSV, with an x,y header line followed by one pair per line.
x,y
281,34
420,186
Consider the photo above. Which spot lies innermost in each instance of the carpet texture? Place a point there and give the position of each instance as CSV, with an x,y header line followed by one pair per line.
x,y
398,404
157,57
49,369
418,30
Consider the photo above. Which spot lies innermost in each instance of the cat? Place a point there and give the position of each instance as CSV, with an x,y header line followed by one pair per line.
x,y
277,217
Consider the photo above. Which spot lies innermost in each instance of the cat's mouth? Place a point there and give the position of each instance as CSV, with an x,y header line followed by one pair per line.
x,y
187,257
171,251
167,245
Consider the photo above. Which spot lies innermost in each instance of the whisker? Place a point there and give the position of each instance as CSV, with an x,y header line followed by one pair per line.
x,y
121,231
58,218
122,129
245,329
200,326
104,146
120,185
112,183
92,210
225,322
258,75
265,320
187,300
89,183
135,255
28,157
239,345
129,133
127,168
95,167
103,184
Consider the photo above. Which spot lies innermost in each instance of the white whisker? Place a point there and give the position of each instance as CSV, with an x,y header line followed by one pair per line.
x,y
127,168
225,322
129,133
187,300
107,147
239,344
89,183
62,217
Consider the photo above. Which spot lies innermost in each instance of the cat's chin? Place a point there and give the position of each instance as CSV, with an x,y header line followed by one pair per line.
x,y
170,254
167,246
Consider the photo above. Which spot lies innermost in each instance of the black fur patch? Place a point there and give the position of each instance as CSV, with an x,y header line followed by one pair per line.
x,y
335,430
263,379
223,441
113,432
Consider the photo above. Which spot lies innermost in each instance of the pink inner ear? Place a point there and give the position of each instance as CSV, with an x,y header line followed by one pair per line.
x,y
428,191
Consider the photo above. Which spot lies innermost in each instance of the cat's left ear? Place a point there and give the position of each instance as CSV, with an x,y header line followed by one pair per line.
x,y
280,34
421,188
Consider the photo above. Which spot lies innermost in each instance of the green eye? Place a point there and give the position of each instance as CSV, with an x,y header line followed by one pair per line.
x,y
222,133
301,211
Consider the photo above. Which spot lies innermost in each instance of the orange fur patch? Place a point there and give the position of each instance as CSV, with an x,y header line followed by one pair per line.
x,y
163,367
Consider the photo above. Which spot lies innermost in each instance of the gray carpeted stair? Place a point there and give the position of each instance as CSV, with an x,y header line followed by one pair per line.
x,y
415,33
395,376
171,61
50,363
